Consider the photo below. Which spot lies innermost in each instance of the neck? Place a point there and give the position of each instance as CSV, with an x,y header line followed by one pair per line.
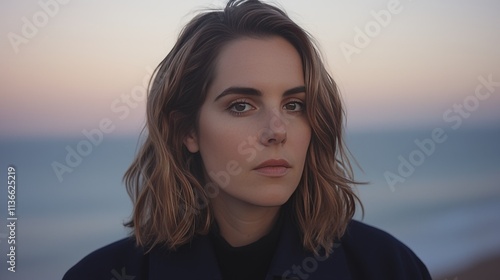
x,y
241,223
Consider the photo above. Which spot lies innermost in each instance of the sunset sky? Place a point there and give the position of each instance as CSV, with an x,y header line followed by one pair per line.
x,y
67,66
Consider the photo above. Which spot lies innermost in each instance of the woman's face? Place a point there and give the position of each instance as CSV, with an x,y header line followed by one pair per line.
x,y
253,134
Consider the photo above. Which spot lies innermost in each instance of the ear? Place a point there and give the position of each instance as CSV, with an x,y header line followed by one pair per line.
x,y
191,142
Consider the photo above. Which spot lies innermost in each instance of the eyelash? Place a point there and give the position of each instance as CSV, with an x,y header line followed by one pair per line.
x,y
244,102
238,102
300,103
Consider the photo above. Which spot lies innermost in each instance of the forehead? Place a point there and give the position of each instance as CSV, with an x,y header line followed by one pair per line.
x,y
258,62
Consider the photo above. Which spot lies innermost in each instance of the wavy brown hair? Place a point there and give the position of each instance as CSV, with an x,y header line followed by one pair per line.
x,y
165,181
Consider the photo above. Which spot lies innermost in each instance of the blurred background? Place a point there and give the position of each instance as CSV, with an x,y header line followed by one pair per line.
x,y
420,80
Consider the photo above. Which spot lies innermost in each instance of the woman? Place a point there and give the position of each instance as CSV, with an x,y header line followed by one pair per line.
x,y
243,174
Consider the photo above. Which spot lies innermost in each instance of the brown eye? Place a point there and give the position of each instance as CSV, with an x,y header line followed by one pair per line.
x,y
240,107
294,106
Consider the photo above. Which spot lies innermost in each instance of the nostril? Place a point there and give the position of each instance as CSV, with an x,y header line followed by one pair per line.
x,y
266,136
269,136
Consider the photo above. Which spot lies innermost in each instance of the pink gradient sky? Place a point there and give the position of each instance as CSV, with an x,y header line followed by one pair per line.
x,y
67,77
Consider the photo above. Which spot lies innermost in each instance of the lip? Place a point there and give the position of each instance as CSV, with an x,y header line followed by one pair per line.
x,y
273,168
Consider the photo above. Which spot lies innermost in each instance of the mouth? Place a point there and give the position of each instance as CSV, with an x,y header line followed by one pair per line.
x,y
273,168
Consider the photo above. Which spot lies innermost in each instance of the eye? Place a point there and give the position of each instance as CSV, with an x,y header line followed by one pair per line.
x,y
240,107
294,106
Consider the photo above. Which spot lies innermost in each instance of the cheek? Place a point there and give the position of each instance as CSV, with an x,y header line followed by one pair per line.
x,y
303,135
218,141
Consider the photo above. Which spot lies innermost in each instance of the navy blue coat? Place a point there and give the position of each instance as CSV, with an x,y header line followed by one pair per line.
x,y
364,252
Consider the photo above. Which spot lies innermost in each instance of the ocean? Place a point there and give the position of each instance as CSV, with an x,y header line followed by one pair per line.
x,y
443,202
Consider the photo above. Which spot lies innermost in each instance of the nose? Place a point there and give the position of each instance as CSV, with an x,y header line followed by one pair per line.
x,y
274,132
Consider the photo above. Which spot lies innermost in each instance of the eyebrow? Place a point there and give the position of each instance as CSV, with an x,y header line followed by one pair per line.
x,y
255,92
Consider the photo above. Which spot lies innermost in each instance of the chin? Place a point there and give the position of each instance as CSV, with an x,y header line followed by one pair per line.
x,y
272,199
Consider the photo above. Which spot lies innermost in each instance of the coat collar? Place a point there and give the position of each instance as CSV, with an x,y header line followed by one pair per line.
x,y
197,260
292,261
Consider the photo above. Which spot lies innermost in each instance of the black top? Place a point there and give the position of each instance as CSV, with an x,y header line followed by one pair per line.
x,y
364,252
247,262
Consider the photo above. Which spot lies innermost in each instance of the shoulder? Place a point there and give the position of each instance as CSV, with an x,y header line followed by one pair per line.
x,y
116,260
366,236
371,251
